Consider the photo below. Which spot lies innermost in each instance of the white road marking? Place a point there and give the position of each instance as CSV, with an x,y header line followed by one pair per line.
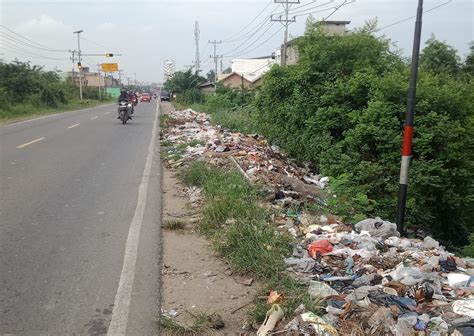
x,y
94,117
50,115
75,125
30,143
118,323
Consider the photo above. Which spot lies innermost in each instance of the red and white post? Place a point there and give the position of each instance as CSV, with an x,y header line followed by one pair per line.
x,y
408,130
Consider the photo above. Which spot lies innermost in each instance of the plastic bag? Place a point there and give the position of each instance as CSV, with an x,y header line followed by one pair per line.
x,y
378,227
320,247
320,290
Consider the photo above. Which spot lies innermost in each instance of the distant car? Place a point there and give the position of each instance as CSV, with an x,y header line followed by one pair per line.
x,y
165,95
145,97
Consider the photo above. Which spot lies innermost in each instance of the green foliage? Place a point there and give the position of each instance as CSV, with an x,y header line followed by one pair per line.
x,y
27,89
342,108
186,85
469,63
234,220
439,57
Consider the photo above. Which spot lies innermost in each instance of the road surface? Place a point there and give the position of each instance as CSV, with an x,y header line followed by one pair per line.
x,y
80,209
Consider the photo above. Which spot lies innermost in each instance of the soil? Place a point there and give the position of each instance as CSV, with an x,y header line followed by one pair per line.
x,y
194,279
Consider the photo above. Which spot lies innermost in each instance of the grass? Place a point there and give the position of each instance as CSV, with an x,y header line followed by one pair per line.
x,y
248,242
200,324
174,225
26,111
238,119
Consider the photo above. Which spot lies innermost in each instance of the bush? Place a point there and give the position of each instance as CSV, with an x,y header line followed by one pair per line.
x,y
342,109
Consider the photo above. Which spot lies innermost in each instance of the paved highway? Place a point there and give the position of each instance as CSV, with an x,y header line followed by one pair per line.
x,y
80,209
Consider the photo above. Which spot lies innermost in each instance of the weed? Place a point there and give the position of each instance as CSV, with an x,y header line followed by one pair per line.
x,y
174,225
201,323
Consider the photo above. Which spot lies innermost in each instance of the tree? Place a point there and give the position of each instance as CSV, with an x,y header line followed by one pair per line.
x,y
211,76
183,81
439,57
227,71
469,63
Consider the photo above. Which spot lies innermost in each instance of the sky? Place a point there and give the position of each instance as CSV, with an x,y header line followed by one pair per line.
x,y
148,32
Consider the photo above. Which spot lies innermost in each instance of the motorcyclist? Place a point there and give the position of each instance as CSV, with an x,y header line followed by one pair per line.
x,y
124,96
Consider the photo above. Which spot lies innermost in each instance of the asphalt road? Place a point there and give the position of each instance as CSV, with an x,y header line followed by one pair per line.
x,y
80,213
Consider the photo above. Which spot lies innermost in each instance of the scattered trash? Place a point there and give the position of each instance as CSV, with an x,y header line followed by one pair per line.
x,y
377,227
274,315
372,281
319,247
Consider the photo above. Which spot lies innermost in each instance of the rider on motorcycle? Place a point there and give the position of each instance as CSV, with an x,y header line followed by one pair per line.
x,y
124,96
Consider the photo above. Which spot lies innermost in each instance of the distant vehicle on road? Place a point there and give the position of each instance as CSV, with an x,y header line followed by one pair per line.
x,y
145,97
165,95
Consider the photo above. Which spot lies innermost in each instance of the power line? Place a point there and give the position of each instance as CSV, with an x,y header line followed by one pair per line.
x,y
309,9
12,39
258,38
336,9
298,7
253,31
258,46
27,39
30,54
318,11
412,17
230,38
95,43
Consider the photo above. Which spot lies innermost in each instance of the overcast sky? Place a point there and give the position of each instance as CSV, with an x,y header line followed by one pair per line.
x,y
147,32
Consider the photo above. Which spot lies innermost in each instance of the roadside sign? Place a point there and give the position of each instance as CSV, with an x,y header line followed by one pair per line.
x,y
109,67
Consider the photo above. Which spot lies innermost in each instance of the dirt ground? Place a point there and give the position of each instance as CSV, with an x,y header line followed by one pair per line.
x,y
194,279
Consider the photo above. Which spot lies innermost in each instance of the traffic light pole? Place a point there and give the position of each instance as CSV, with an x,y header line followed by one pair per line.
x,y
408,129
79,60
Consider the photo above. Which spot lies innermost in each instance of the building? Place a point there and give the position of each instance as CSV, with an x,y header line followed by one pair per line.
x,y
93,79
207,88
252,68
236,81
168,69
330,28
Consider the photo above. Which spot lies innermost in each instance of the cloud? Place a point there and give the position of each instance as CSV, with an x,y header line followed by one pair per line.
x,y
44,23
147,28
107,26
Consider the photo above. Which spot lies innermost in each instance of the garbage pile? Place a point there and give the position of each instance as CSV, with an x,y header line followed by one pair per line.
x,y
370,281
374,282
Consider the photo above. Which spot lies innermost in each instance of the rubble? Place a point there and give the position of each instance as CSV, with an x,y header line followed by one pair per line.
x,y
372,280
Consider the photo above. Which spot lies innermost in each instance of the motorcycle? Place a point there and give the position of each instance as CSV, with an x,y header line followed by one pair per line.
x,y
124,111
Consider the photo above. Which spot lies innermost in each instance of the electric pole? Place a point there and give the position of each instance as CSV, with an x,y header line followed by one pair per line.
x,y
215,57
120,73
409,118
286,22
196,38
79,60
73,52
100,80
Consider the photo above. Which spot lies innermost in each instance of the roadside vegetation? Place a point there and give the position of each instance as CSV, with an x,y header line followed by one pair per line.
x,y
27,90
341,109
236,223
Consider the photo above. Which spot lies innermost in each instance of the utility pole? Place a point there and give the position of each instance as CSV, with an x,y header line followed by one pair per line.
x,y
135,82
409,118
221,64
215,57
79,60
120,73
100,80
286,22
196,38
73,52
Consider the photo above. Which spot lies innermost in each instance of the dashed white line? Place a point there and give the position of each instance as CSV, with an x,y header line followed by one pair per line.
x,y
94,117
75,125
30,143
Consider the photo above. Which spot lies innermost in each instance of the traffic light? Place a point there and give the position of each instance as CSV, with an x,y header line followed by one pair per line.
x,y
79,65
109,55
